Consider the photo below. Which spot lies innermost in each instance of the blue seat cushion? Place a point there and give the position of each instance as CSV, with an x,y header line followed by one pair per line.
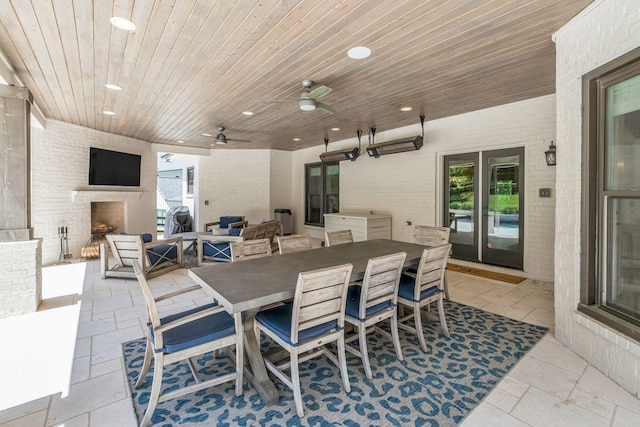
x,y
217,250
407,284
157,254
353,304
226,220
234,231
200,331
278,320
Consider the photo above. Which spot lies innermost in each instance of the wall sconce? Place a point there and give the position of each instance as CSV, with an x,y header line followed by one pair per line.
x,y
550,155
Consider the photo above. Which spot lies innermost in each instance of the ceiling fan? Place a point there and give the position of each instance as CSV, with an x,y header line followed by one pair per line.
x,y
221,138
308,98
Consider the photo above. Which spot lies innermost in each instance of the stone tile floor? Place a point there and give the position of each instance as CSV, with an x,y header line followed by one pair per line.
x,y
62,366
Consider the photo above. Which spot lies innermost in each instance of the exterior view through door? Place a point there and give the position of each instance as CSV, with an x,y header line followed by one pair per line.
x,y
484,205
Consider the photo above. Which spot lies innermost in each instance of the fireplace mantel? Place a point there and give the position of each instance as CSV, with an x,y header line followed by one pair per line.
x,y
105,195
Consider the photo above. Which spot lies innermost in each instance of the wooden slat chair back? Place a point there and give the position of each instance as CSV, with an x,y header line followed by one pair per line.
x,y
334,238
185,335
304,326
294,243
373,302
154,258
249,249
432,236
426,287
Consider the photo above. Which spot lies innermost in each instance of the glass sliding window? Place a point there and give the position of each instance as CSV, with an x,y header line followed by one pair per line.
x,y
611,218
322,191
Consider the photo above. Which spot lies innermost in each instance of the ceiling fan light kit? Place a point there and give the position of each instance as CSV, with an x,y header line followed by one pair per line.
x,y
308,99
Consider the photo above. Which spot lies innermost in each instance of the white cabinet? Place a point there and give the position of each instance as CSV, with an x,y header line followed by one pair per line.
x,y
362,226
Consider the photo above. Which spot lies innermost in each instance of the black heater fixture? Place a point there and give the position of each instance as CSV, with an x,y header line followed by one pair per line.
x,y
550,155
399,146
340,155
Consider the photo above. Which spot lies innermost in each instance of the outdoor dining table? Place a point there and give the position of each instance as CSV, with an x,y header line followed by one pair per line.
x,y
246,286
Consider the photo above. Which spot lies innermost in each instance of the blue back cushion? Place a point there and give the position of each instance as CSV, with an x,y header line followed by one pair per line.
x,y
146,237
234,231
226,220
217,250
163,253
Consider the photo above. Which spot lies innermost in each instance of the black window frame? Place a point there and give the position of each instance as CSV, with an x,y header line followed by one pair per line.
x,y
190,180
592,285
324,196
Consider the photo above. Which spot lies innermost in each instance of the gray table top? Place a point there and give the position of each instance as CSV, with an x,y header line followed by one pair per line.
x,y
192,235
247,285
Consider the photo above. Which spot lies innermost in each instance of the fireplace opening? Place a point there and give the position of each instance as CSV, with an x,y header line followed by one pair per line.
x,y
106,218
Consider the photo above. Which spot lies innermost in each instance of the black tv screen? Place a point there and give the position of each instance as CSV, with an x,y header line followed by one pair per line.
x,y
108,167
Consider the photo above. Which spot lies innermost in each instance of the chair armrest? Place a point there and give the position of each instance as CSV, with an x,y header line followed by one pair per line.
x,y
178,292
238,224
177,240
210,224
219,239
190,318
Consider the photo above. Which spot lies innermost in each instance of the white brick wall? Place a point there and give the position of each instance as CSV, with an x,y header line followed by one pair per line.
x,y
407,185
235,182
20,277
602,32
60,166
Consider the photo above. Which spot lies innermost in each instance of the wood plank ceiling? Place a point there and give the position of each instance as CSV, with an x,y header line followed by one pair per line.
x,y
192,65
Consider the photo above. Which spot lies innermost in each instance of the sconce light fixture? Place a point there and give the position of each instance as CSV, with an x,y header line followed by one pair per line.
x,y
550,155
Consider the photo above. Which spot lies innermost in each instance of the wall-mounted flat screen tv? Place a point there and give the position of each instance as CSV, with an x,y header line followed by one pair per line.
x,y
108,167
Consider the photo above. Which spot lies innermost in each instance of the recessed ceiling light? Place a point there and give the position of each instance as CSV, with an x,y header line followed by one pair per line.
x,y
406,109
108,113
296,139
206,134
112,87
248,113
180,141
335,128
122,23
359,52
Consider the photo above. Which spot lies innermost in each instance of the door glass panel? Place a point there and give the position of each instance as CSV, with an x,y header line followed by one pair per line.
x,y
461,215
502,215
503,226
623,253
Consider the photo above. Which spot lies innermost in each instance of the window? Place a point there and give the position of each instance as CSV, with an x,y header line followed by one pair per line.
x,y
190,180
611,217
322,191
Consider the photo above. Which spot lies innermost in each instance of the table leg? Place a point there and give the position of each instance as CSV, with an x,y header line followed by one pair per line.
x,y
258,377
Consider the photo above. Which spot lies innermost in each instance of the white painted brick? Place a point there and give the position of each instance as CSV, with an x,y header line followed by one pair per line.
x,y
602,32
408,185
60,165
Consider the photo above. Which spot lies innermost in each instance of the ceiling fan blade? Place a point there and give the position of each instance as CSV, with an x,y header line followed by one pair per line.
x,y
325,108
238,140
319,92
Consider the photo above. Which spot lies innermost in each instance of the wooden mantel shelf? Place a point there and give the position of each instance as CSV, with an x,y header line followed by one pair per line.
x,y
89,195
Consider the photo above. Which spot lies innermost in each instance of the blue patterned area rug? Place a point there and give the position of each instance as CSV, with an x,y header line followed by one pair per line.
x,y
438,388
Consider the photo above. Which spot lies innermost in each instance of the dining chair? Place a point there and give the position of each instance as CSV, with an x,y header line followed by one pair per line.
x,y
374,301
249,249
431,236
305,325
426,287
334,238
180,337
294,243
